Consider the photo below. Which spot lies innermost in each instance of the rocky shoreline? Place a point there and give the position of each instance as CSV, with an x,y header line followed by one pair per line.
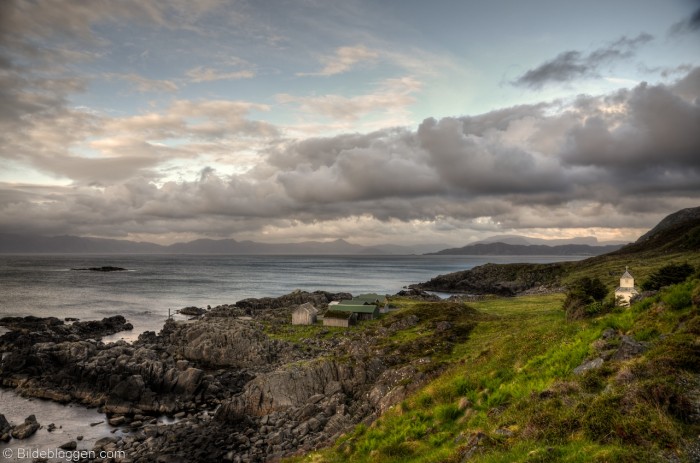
x,y
238,393
500,279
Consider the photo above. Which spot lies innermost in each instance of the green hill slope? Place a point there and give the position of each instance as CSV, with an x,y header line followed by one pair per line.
x,y
528,385
676,239
511,393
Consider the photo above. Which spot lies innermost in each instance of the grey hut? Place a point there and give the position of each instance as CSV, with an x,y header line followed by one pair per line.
x,y
305,314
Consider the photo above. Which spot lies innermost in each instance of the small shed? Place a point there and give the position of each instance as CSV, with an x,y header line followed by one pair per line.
x,y
339,318
305,314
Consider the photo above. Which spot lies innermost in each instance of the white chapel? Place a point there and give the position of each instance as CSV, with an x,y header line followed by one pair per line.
x,y
626,290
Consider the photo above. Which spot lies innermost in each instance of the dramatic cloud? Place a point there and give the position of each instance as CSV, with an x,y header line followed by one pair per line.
x,y
612,159
179,119
570,65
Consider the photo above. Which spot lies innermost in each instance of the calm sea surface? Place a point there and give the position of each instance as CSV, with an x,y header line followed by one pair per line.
x,y
45,285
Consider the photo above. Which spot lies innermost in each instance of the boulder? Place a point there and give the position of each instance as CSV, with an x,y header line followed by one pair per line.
x,y
130,389
5,429
71,445
26,429
589,365
629,348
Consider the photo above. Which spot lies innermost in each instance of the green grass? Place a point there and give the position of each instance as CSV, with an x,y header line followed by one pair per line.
x,y
508,383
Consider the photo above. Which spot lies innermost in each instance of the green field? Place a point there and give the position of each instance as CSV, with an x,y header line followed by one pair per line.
x,y
506,391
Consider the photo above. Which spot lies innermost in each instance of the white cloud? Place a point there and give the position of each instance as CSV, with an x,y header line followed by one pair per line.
x,y
144,84
391,95
343,60
205,74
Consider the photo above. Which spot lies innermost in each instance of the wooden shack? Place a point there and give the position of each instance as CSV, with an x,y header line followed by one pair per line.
x,y
305,314
339,318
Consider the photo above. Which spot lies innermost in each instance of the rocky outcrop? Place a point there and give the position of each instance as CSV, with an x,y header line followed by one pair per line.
x,y
5,429
192,311
26,429
150,375
500,279
104,268
318,299
611,346
418,294
223,342
30,330
272,398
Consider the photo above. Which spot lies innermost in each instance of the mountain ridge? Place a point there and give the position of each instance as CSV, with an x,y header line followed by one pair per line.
x,y
500,248
68,244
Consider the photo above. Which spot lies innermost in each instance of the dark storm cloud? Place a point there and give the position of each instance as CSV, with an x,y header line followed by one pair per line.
x,y
572,64
691,24
658,130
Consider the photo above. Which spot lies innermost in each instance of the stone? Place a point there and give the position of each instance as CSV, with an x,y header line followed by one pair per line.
x,y
26,429
105,442
71,445
629,348
589,365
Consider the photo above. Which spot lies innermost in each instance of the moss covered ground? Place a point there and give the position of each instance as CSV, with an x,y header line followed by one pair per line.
x,y
507,392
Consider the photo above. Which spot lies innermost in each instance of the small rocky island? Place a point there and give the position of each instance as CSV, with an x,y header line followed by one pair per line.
x,y
105,268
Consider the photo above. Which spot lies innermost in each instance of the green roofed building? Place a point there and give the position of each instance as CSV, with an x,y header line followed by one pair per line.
x,y
372,298
352,302
377,299
363,311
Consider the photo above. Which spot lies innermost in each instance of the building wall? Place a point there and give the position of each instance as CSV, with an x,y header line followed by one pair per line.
x,y
303,318
339,322
626,295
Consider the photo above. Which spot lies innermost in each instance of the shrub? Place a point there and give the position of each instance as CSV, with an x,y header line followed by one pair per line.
x,y
448,412
602,418
668,275
678,297
424,400
585,298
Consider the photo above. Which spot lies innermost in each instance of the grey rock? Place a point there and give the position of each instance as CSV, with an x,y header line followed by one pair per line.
x,y
629,348
71,445
589,365
26,429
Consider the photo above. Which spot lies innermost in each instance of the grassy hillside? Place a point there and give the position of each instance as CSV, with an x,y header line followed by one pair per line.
x,y
675,240
509,392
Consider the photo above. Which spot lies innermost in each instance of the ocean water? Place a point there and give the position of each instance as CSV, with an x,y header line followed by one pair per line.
x,y
45,285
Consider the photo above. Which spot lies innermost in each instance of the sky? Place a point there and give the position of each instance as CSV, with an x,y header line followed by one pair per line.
x,y
399,122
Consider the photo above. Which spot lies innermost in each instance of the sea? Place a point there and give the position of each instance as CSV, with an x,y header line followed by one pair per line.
x,y
154,286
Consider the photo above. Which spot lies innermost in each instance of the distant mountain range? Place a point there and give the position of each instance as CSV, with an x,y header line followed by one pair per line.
x,y
33,244
526,240
505,249
496,245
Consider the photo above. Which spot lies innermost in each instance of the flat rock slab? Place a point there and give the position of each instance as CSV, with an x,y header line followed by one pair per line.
x,y
589,365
